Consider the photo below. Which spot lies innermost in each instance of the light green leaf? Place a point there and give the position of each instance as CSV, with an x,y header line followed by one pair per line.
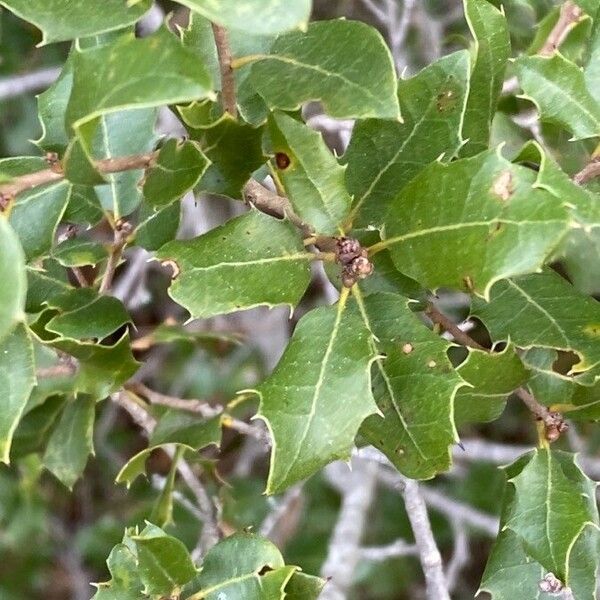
x,y
125,583
384,156
557,87
472,222
304,587
553,503
225,269
544,310
235,568
491,52
177,169
71,441
344,64
17,378
62,20
132,73
36,215
164,563
314,412
254,16
592,68
14,281
493,376
414,386
309,173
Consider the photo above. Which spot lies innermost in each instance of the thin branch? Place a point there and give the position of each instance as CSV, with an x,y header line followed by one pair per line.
x,y
570,15
554,423
589,172
396,549
108,165
17,85
282,521
227,77
358,490
460,555
122,231
431,560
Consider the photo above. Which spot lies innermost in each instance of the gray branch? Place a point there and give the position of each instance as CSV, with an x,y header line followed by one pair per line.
x,y
36,81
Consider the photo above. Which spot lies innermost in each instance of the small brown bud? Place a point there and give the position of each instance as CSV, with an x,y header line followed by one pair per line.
x,y
361,267
348,280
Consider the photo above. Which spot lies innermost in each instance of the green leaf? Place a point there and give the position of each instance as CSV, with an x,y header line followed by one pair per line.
x,y
221,141
482,218
151,71
156,228
491,52
235,568
17,378
177,169
162,511
544,310
42,285
569,394
164,563
84,315
344,64
125,583
304,587
225,269
71,441
35,217
557,87
553,503
309,173
62,20
84,206
79,252
384,156
182,427
254,16
492,376
14,281
313,413
414,386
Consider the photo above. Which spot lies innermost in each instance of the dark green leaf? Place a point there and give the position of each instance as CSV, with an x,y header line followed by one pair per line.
x,y
314,412
78,252
156,228
125,583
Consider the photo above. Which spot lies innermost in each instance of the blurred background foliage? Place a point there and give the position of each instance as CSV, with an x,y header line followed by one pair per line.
x,y
53,542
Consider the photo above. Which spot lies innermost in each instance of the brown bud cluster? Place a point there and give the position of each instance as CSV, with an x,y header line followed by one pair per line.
x,y
555,426
354,260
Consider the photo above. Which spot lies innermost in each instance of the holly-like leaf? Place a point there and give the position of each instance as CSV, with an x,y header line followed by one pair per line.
x,y
151,71
84,315
36,215
414,386
125,583
17,378
472,222
79,252
177,169
314,412
384,156
344,64
558,88
309,173
164,564
225,269
240,567
304,587
71,441
43,284
14,280
254,16
572,395
553,503
544,310
221,141
62,20
156,228
492,376
491,52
